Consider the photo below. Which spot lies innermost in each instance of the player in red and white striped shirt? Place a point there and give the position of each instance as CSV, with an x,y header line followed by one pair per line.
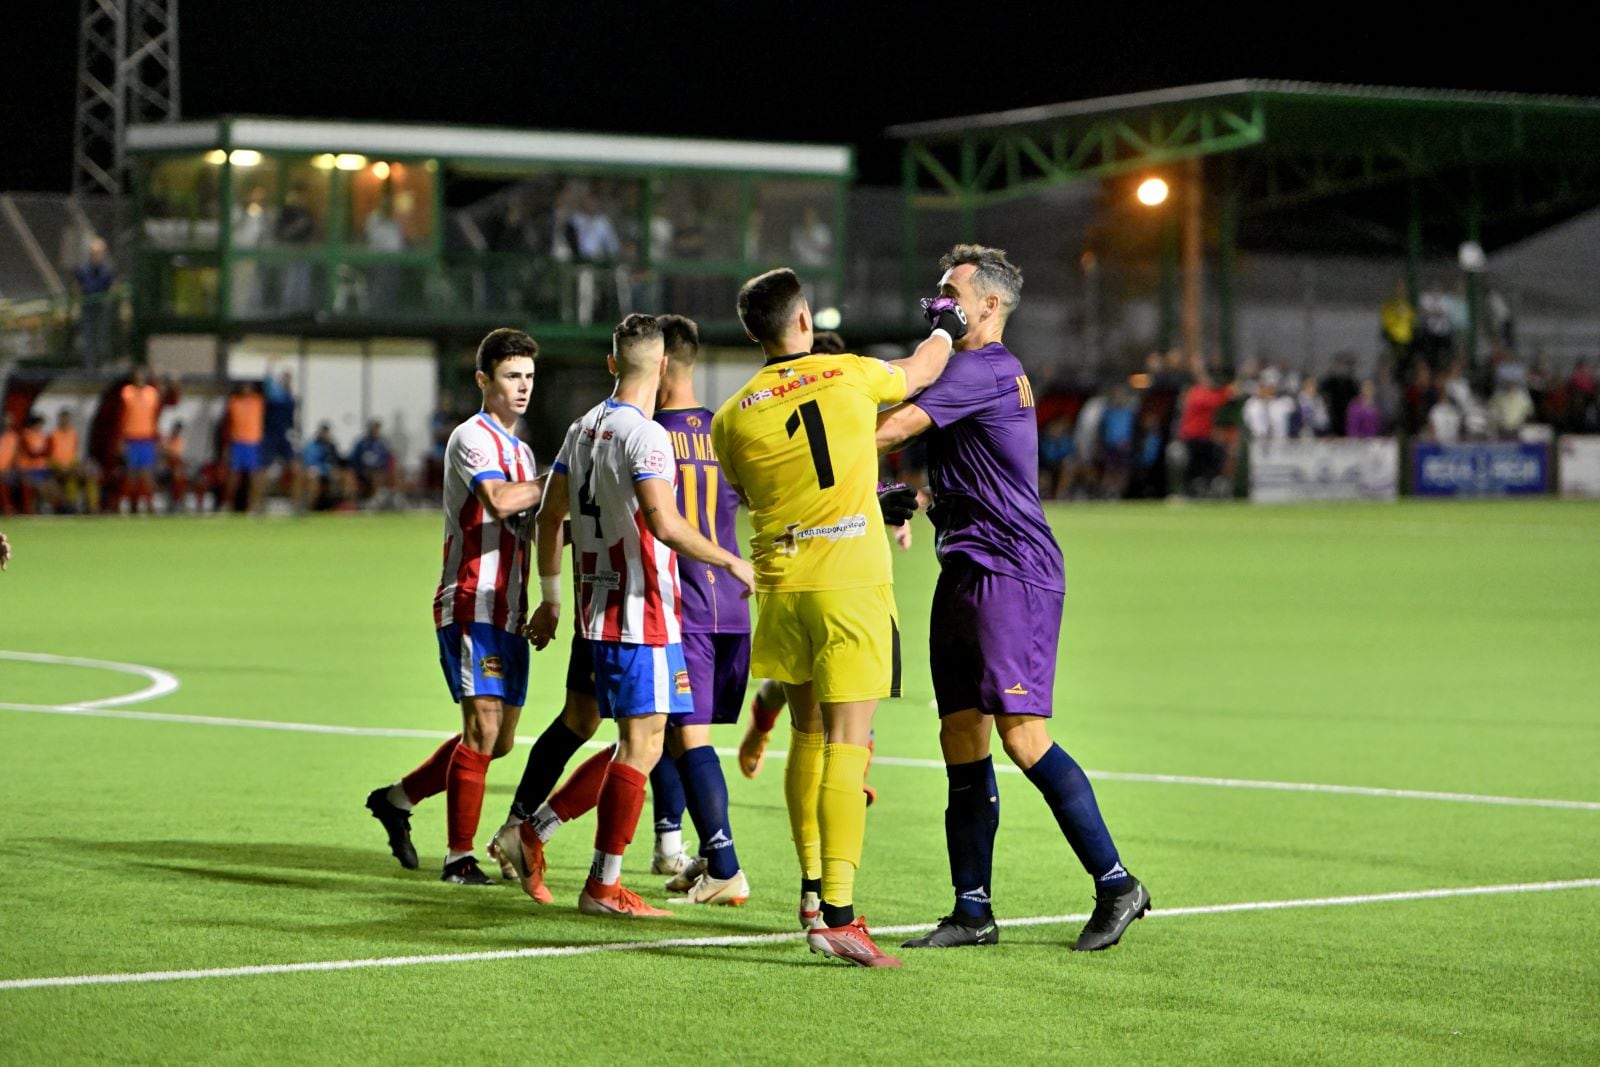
x,y
479,608
615,476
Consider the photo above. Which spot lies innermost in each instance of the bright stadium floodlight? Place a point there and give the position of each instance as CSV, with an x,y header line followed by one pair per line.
x,y
244,157
349,161
828,319
1152,192
216,157
324,161
380,170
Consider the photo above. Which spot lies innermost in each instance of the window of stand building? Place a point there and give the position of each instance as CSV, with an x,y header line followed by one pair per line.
x,y
181,199
698,217
280,203
391,204
795,222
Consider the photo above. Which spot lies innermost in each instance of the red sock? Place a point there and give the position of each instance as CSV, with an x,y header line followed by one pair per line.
x,y
464,796
621,800
431,774
581,792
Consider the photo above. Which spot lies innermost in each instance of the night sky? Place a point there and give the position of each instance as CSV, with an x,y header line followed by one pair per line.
x,y
822,71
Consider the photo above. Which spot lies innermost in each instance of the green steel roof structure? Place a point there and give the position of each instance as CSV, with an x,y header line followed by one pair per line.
x,y
1288,165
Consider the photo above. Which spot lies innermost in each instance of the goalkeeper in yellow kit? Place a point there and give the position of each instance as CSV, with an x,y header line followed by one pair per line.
x,y
797,441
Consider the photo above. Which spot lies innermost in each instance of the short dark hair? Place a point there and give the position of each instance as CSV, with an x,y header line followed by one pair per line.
x,y
681,336
767,303
636,327
827,342
503,344
994,272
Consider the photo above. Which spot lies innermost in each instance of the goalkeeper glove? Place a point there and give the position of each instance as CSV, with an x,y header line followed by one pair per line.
x,y
946,315
898,502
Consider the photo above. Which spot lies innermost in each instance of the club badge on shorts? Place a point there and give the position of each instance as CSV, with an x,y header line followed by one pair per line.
x,y
491,667
681,681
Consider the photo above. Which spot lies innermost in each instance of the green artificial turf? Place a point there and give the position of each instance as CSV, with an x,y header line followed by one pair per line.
x,y
1434,647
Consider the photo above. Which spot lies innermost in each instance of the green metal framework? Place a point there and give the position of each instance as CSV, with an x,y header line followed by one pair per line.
x,y
1412,171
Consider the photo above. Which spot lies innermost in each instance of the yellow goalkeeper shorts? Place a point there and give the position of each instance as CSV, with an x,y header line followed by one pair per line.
x,y
845,641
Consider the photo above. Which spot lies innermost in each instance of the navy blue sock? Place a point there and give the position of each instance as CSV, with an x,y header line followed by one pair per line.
x,y
666,795
1066,789
708,807
551,752
971,818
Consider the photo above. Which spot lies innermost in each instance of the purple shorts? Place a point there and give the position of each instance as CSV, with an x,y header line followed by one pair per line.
x,y
992,642
719,672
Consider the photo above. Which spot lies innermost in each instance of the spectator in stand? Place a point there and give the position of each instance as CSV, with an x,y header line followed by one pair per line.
x,y
1362,418
1268,414
1501,328
1197,430
1583,398
141,405
1148,457
296,227
595,242
1058,467
33,464
1546,393
175,468
374,466
1311,411
1475,422
440,426
92,283
1511,407
1398,324
1116,442
1086,438
1435,338
277,446
328,482
76,488
246,428
1420,396
1227,429
384,232
10,444
1444,421
1338,389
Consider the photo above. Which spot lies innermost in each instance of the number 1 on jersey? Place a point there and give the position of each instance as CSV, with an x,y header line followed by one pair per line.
x,y
817,438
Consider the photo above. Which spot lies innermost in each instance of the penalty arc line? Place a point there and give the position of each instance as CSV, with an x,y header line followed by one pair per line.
x,y
98,709
758,939
161,683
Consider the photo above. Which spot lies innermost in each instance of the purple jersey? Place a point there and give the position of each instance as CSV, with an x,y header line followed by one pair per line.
x,y
983,468
711,601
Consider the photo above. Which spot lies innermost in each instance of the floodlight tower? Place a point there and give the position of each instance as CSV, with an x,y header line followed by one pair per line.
x,y
127,73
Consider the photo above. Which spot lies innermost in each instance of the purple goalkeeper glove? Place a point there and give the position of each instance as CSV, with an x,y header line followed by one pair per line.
x,y
946,315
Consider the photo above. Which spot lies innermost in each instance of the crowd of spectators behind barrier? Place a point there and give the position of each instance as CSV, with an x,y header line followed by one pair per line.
x,y
1179,426
255,453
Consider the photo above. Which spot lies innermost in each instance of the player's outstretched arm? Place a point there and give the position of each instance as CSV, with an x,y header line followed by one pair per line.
x,y
923,366
541,628
659,507
900,424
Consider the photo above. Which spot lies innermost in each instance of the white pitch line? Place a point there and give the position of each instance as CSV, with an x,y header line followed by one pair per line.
x,y
758,939
161,683
85,710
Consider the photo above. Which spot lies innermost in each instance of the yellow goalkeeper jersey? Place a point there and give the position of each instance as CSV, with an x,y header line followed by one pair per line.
x,y
798,442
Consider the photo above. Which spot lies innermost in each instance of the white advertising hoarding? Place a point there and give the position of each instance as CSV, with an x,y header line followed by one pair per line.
x,y
1324,469
1579,465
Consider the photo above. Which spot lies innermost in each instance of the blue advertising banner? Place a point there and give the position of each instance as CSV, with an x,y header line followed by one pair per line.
x,y
1480,468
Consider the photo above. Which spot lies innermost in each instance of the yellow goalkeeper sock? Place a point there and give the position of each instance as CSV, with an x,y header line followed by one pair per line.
x,y
842,814
802,774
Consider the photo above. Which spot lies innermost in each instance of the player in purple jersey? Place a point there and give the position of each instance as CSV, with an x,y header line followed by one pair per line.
x,y
996,617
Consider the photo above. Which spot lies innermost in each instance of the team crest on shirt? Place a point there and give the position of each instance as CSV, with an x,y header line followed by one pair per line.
x,y
680,681
491,667
694,422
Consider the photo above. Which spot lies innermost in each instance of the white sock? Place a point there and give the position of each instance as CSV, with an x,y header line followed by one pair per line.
x,y
397,796
606,868
545,822
669,842
452,855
